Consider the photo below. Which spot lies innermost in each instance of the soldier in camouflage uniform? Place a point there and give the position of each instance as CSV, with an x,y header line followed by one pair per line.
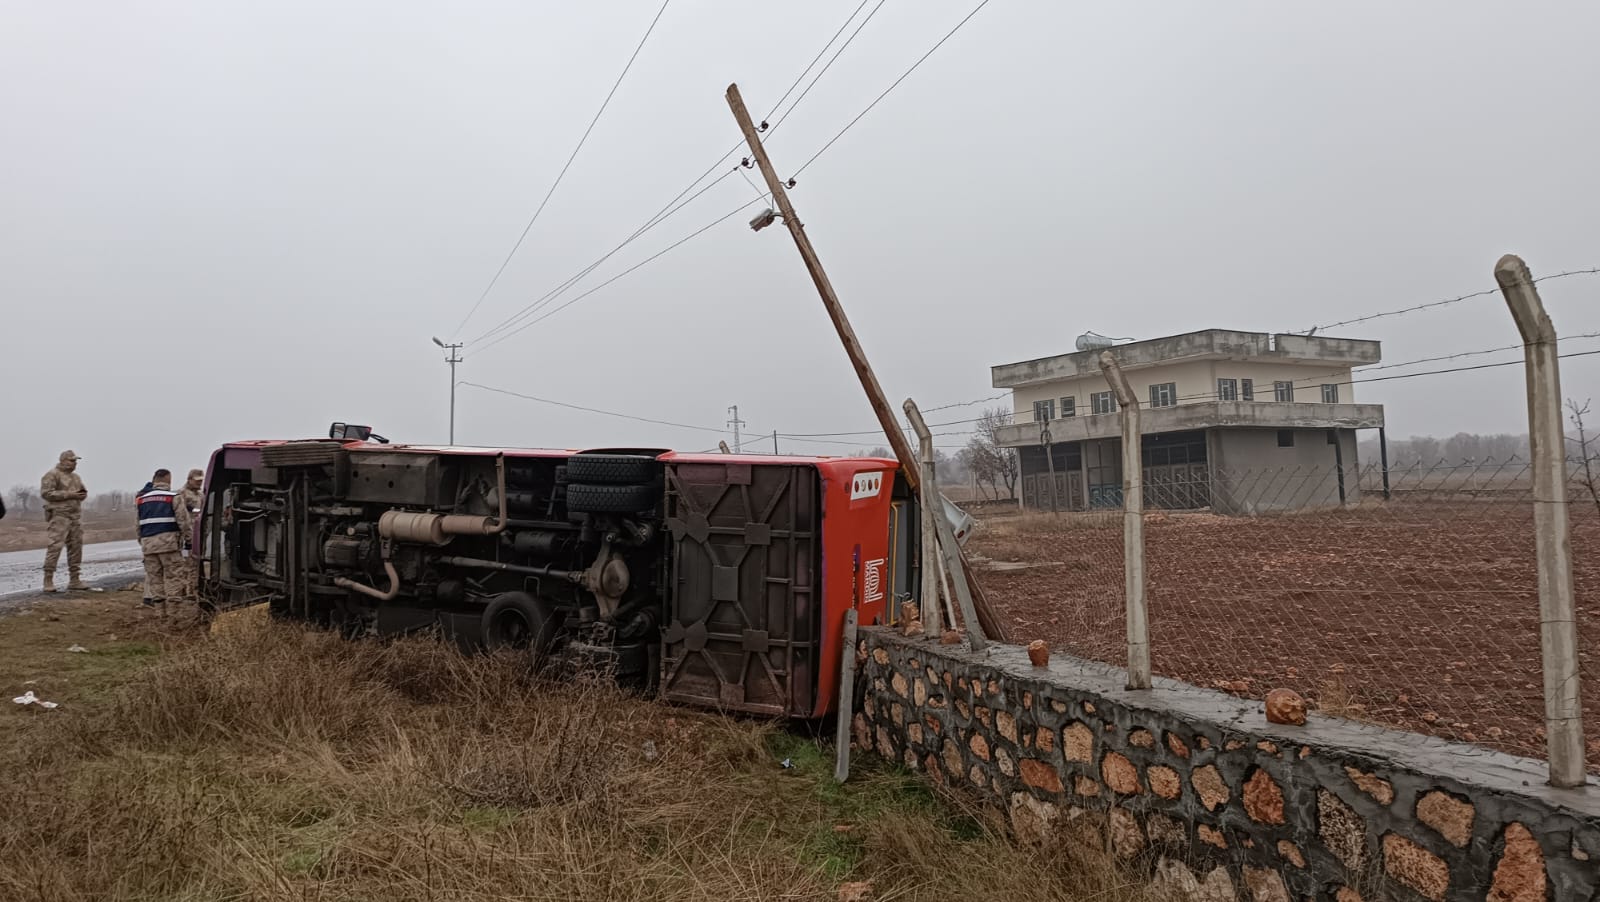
x,y
189,500
63,493
164,529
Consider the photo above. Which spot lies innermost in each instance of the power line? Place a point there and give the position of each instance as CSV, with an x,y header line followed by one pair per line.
x,y
673,205
1444,303
609,413
661,216
824,71
561,175
891,87
671,247
801,77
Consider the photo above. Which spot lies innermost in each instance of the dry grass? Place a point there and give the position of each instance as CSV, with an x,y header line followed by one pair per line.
x,y
270,762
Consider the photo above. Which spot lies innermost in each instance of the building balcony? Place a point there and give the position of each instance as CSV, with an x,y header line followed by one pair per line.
x,y
1201,415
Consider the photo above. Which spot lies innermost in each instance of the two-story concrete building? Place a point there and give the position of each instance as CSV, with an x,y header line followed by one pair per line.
x,y
1219,409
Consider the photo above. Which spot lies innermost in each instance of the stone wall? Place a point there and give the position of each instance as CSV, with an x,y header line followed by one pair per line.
x,y
1198,787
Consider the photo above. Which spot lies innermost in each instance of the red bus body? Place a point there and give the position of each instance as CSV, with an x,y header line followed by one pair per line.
x,y
727,587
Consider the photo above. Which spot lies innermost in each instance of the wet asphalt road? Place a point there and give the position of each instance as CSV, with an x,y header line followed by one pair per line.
x,y
21,572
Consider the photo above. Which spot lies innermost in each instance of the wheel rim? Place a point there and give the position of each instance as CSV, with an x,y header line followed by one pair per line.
x,y
512,629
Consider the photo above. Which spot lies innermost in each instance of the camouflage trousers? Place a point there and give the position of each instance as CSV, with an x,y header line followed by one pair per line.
x,y
163,568
188,576
66,531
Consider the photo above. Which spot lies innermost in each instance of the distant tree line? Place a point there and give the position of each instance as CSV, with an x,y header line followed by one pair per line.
x,y
24,499
1461,448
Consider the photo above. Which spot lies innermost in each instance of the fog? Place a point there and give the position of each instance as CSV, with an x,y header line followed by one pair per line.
x,y
226,221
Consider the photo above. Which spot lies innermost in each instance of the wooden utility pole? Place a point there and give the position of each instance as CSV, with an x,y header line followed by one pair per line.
x,y
830,300
852,345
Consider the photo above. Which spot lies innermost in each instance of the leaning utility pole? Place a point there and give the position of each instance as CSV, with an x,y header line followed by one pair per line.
x,y
830,300
847,335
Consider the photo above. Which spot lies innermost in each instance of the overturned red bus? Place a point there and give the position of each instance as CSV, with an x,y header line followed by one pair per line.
x,y
712,579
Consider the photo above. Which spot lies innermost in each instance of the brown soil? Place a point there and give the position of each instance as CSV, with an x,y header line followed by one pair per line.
x,y
1424,617
25,532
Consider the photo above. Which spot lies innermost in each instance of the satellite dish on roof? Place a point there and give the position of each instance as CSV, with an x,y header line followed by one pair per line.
x,y
1094,341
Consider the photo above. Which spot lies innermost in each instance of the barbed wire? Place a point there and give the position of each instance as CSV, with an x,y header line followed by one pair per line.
x,y
1435,304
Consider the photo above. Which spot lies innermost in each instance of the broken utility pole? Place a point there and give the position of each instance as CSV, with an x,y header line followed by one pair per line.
x,y
852,345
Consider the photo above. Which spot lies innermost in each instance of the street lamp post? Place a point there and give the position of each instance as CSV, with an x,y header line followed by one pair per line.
x,y
452,357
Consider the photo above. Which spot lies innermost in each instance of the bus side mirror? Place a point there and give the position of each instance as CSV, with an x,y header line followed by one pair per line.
x,y
347,432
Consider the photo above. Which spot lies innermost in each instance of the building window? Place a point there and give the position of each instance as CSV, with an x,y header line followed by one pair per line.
x,y
1247,389
1164,395
1285,438
1283,391
1228,389
1069,406
1102,402
1330,394
1333,436
1044,411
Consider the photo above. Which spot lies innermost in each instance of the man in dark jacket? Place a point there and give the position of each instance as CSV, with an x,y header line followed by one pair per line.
x,y
164,528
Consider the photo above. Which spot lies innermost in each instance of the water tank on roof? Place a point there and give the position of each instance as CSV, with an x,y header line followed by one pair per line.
x,y
1094,341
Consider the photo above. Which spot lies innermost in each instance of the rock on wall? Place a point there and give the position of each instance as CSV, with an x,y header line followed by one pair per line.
x,y
1201,789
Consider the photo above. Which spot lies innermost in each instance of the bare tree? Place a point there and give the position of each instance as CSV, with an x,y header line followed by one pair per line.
x,y
110,502
1588,457
23,497
991,464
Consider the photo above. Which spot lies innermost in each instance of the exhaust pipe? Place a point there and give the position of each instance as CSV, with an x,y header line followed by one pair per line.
x,y
389,595
437,529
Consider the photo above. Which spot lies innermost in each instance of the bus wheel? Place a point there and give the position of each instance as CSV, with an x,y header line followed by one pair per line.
x,y
519,621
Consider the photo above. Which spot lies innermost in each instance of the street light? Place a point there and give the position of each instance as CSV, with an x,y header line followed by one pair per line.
x,y
452,358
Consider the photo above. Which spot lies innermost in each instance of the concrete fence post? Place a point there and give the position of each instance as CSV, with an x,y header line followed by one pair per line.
x,y
1132,524
1558,634
932,569
949,551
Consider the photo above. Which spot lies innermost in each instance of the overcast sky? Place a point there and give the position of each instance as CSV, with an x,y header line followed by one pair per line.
x,y
225,221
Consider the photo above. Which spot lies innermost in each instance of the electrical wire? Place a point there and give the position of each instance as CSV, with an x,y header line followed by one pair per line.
x,y
653,257
824,71
544,300
596,410
673,205
563,173
851,124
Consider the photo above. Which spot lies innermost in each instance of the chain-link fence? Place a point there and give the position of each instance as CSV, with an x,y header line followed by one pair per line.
x,y
1406,597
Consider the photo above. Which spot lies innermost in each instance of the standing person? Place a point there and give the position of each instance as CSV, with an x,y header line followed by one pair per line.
x,y
189,498
164,529
63,493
